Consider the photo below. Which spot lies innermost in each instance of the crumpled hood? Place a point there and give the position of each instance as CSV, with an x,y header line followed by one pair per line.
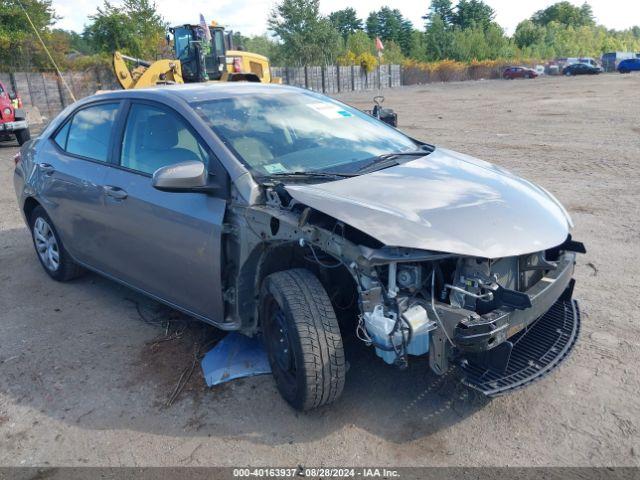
x,y
446,202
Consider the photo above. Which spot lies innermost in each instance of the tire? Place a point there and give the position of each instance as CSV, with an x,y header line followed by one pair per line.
x,y
23,136
44,233
302,338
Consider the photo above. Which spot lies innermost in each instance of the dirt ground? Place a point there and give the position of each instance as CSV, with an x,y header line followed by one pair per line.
x,y
87,368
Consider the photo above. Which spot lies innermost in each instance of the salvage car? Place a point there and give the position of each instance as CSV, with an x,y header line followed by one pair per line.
x,y
629,65
13,118
581,69
511,73
280,212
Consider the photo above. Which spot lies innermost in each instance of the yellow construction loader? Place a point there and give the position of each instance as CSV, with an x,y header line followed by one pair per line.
x,y
198,58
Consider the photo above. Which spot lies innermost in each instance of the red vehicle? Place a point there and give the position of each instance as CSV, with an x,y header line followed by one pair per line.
x,y
13,119
519,72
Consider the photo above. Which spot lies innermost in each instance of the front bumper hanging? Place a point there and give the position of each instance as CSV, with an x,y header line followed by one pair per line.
x,y
527,356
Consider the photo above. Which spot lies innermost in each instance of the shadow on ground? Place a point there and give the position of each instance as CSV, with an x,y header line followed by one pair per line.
x,y
97,355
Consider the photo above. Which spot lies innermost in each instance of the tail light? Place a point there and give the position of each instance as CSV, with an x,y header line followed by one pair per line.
x,y
237,65
17,158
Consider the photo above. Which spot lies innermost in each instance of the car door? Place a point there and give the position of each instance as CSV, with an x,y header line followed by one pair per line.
x,y
71,168
166,244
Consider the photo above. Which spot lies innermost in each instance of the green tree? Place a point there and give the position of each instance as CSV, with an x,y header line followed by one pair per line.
x,y
359,43
442,8
438,40
390,25
263,45
471,13
307,37
75,41
134,28
566,14
392,53
528,33
346,21
19,46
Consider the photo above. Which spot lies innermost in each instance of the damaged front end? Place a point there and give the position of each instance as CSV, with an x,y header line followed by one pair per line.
x,y
505,321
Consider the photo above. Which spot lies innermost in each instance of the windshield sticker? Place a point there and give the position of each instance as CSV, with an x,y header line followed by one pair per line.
x,y
330,110
275,168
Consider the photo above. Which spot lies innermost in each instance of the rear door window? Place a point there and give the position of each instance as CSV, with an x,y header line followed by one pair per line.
x,y
88,133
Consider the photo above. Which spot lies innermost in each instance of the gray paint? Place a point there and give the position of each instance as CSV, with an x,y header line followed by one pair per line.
x,y
446,202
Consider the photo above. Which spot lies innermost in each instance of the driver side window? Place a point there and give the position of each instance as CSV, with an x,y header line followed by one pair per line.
x,y
155,137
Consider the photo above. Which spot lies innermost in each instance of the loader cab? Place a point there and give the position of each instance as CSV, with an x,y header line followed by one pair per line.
x,y
199,64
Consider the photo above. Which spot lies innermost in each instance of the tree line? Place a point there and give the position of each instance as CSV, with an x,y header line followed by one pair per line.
x,y
300,35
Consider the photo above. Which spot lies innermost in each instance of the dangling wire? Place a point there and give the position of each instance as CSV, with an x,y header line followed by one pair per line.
x,y
47,52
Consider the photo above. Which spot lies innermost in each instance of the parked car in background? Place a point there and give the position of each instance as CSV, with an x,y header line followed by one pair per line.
x,y
276,211
581,69
13,119
519,72
629,65
611,60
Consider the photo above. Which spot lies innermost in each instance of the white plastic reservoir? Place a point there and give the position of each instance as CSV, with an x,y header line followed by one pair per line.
x,y
379,327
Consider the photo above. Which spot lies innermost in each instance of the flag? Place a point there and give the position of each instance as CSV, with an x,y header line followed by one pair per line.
x,y
379,45
205,27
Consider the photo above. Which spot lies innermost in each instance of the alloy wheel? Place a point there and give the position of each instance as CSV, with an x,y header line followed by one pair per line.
x,y
46,244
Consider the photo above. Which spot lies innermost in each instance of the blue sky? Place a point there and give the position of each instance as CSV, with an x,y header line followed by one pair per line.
x,y
250,16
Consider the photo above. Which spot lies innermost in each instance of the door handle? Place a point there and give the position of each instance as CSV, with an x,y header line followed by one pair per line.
x,y
115,192
46,168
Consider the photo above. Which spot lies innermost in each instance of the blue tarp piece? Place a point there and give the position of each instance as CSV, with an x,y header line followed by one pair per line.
x,y
235,356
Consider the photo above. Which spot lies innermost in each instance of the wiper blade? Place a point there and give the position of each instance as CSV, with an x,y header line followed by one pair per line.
x,y
310,174
383,160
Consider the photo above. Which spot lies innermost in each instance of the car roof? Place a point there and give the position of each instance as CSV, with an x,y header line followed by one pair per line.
x,y
197,92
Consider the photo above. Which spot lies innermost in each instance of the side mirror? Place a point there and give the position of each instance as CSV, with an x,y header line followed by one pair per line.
x,y
191,176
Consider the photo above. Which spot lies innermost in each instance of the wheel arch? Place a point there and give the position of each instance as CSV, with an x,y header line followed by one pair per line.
x,y
268,258
29,206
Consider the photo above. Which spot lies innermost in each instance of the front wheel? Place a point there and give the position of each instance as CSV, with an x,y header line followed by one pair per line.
x,y
23,136
302,338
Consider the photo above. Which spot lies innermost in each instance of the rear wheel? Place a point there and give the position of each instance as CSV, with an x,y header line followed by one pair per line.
x,y
53,257
302,338
23,136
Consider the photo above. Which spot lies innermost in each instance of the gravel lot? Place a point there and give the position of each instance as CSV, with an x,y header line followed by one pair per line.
x,y
84,381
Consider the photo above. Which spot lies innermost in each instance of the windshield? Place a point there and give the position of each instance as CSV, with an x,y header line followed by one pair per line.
x,y
290,131
182,38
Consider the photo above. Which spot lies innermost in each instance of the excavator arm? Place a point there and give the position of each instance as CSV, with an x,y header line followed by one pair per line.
x,y
146,74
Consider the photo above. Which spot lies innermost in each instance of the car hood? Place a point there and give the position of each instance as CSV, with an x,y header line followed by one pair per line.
x,y
446,202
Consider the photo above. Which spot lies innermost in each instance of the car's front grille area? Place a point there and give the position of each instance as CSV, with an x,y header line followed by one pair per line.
x,y
536,351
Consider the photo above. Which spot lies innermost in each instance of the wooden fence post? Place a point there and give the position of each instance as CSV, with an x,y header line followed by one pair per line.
x,y
353,80
306,77
60,91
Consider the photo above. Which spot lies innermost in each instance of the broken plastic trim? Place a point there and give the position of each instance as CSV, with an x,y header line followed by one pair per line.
x,y
528,356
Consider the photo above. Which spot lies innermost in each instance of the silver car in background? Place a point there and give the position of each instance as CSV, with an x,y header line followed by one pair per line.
x,y
279,212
